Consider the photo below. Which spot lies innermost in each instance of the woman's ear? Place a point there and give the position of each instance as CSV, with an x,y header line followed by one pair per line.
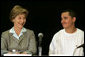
x,y
12,20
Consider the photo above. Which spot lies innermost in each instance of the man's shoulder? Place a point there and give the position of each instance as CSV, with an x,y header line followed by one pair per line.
x,y
59,32
80,31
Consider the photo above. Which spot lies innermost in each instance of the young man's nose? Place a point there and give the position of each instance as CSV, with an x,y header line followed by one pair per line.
x,y
62,21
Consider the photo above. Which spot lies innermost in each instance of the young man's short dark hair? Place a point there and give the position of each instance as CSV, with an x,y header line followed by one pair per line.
x,y
71,12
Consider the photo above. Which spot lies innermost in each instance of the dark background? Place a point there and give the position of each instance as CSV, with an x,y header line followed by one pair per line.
x,y
44,16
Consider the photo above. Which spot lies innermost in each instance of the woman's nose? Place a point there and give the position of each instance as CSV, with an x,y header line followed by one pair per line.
x,y
22,20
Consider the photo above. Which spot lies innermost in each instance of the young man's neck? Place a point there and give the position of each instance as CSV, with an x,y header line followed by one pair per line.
x,y
70,29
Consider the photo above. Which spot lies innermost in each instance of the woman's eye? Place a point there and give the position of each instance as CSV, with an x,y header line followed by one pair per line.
x,y
19,18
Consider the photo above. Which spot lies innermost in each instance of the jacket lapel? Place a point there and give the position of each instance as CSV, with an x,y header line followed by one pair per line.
x,y
22,37
13,38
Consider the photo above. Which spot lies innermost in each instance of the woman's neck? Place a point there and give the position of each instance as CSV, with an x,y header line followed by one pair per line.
x,y
17,30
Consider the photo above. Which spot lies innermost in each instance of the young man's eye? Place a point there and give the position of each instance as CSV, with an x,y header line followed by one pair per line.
x,y
65,17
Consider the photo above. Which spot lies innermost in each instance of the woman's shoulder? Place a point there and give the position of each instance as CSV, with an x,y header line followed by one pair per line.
x,y
29,30
5,32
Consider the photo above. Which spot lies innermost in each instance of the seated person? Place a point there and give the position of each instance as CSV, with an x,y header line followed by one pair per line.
x,y
18,38
66,41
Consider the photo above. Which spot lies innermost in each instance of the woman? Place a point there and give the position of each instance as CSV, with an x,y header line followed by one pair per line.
x,y
18,38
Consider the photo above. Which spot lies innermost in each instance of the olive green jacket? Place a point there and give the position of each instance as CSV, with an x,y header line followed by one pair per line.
x,y
27,42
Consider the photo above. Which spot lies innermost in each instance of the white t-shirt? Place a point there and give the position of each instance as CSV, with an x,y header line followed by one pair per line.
x,y
66,44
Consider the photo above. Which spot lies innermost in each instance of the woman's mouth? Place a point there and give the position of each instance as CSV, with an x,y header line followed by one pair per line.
x,y
21,24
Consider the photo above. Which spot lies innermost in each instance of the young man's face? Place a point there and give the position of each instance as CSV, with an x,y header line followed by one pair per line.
x,y
66,20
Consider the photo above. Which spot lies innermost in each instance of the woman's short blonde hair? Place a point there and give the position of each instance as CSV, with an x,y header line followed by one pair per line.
x,y
16,11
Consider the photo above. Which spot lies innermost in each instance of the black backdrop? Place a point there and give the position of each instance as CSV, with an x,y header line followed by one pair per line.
x,y
44,17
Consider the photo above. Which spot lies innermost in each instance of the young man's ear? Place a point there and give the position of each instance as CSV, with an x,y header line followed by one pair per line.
x,y
74,19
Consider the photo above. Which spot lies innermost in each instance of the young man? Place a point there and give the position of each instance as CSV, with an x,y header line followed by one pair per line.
x,y
66,41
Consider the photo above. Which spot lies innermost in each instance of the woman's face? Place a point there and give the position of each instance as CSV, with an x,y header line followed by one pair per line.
x,y
19,20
